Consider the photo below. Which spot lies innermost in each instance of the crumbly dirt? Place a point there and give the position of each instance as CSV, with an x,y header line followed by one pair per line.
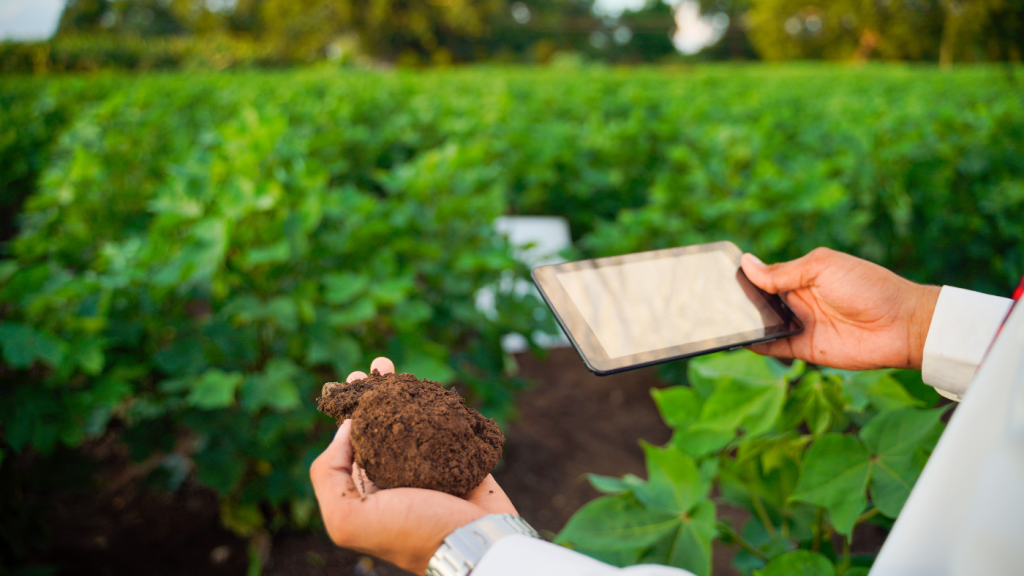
x,y
414,433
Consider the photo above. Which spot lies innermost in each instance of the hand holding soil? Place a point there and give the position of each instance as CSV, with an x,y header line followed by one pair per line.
x,y
412,433
403,525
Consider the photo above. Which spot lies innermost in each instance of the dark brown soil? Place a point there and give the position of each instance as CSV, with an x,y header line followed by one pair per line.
x,y
414,433
122,526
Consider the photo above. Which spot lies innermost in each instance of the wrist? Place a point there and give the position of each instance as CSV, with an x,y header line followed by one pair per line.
x,y
920,322
463,549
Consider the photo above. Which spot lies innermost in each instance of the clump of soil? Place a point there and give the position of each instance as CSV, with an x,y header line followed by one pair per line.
x,y
408,432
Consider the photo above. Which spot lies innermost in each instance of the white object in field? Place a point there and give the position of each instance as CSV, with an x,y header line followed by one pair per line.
x,y
537,241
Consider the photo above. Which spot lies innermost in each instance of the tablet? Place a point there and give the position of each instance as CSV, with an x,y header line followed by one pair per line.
x,y
629,311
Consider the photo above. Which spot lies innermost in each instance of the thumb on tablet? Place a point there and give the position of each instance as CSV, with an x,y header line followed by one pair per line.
x,y
781,277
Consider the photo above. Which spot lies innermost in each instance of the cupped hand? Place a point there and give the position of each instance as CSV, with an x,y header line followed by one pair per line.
x,y
857,315
404,526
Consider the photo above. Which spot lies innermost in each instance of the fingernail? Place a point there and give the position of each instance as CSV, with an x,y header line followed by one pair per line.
x,y
342,427
754,258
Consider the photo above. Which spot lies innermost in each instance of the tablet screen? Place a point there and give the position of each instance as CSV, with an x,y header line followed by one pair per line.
x,y
633,310
641,306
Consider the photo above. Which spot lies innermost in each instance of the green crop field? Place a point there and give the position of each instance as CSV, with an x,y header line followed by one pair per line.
x,y
194,254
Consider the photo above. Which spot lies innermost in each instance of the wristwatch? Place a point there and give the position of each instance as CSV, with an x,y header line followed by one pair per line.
x,y
462,550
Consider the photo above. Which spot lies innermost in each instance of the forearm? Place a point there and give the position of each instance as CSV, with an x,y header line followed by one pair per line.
x,y
963,326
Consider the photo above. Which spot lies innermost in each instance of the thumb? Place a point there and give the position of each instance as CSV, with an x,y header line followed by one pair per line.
x,y
335,463
339,454
331,472
781,277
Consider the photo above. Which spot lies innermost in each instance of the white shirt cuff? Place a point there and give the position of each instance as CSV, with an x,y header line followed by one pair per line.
x,y
962,329
518,555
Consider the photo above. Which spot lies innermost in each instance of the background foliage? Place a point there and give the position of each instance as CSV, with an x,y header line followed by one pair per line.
x,y
198,253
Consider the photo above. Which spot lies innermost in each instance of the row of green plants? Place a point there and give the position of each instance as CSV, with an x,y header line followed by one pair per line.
x,y
196,254
809,454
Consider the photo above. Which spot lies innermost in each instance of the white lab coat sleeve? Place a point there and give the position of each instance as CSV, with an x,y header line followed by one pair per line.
x,y
522,555
963,326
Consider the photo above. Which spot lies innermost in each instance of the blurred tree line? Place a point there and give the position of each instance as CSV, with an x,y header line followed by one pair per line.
x,y
225,33
404,31
916,30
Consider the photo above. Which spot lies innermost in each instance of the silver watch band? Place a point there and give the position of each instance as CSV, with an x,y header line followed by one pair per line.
x,y
462,550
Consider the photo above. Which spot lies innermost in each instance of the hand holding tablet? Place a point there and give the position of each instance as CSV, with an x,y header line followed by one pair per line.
x,y
625,312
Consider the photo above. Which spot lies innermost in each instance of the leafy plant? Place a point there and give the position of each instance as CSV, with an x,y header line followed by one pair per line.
x,y
809,453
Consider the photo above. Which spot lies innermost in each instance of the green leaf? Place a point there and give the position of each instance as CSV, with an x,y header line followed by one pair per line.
x,y
341,289
360,311
199,259
284,312
2,454
276,387
898,432
391,292
219,465
620,558
777,452
607,484
22,345
88,355
798,563
105,396
411,314
244,520
617,523
791,373
678,405
892,479
834,474
674,483
184,356
743,365
214,389
342,353
701,442
272,254
428,368
7,269
753,404
899,438
815,400
912,383
876,387
691,549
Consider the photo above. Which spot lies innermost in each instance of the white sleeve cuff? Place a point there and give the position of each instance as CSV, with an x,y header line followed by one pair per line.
x,y
962,329
518,555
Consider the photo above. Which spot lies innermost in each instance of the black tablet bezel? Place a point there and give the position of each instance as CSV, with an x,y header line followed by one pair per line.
x,y
593,353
